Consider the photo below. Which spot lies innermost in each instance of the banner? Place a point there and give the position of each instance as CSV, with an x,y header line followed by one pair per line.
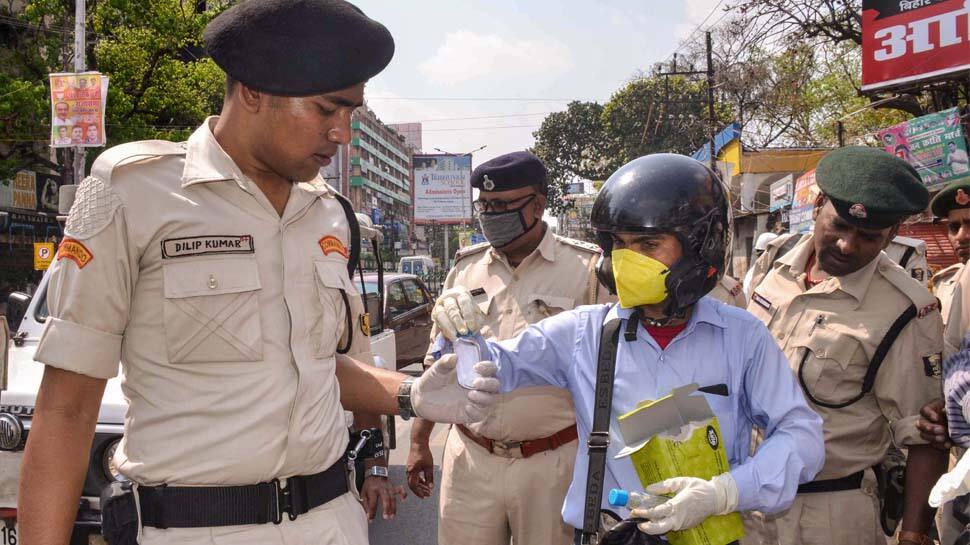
x,y
803,202
77,109
23,190
442,188
934,144
780,193
905,41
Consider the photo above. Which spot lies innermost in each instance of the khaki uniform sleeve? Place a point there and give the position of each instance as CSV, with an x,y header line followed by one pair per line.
x,y
956,327
449,283
910,377
90,286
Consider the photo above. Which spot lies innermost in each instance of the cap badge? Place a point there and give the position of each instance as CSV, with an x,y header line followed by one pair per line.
x,y
857,210
488,184
962,198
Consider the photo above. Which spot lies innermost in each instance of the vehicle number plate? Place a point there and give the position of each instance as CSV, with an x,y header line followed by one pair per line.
x,y
8,534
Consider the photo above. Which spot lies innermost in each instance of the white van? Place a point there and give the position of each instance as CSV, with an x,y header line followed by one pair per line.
x,y
418,265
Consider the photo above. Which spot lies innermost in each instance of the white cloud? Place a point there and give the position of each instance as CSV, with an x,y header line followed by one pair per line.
x,y
466,56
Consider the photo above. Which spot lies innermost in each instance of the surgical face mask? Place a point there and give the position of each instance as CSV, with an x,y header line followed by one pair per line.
x,y
640,280
504,228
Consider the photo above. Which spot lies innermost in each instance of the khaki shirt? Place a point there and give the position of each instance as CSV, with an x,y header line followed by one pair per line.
x,y
832,331
557,276
958,309
944,284
225,316
729,291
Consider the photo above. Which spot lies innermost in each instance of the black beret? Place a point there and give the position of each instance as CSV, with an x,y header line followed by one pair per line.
x,y
298,47
511,171
956,195
870,188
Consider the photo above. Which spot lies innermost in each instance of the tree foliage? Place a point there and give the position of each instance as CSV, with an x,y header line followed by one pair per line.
x,y
160,84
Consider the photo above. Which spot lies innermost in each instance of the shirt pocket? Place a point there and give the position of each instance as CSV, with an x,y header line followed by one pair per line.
x,y
543,305
211,310
334,290
832,365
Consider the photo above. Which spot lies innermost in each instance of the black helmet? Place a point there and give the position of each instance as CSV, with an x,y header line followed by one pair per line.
x,y
668,193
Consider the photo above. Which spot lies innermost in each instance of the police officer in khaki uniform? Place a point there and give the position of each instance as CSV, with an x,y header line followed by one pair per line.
x,y
216,272
729,291
507,475
830,302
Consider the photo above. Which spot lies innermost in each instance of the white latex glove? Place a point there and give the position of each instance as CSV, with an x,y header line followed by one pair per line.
x,y
694,501
952,484
436,395
455,313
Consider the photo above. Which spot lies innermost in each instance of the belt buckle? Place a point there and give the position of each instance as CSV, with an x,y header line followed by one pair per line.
x,y
278,508
507,449
285,500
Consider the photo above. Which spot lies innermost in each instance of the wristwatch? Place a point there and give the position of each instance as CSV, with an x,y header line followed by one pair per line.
x,y
914,537
377,471
405,409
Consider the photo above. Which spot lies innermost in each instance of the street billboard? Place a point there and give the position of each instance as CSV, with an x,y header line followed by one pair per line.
x,y
803,202
934,144
907,41
77,109
442,189
780,193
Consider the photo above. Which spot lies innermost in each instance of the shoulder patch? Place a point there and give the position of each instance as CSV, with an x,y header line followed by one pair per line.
x,y
94,206
471,250
582,245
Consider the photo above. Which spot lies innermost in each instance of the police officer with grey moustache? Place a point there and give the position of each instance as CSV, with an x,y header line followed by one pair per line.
x,y
217,272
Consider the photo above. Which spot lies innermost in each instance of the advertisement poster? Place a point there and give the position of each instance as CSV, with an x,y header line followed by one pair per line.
x,y
780,193
23,190
442,188
934,144
77,109
905,41
803,202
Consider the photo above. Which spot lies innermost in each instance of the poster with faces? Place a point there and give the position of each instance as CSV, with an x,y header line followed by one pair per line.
x,y
78,103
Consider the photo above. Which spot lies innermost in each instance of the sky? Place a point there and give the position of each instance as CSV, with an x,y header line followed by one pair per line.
x,y
485,72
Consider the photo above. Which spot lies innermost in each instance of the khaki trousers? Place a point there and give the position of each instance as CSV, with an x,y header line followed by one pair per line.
x,y
488,499
339,522
849,517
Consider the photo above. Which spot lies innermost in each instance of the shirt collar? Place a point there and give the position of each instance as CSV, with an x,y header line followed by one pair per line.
x,y
206,161
546,248
855,284
705,311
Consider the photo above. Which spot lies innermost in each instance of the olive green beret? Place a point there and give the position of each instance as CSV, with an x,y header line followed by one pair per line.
x,y
955,195
870,188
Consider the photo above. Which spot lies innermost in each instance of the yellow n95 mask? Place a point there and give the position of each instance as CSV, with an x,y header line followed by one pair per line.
x,y
640,280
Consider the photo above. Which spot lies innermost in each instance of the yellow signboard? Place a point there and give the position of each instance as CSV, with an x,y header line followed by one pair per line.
x,y
43,255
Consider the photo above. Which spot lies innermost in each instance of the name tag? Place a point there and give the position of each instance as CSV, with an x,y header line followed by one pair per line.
x,y
761,300
214,244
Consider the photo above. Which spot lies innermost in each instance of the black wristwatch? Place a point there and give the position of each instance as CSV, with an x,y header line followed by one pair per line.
x,y
405,409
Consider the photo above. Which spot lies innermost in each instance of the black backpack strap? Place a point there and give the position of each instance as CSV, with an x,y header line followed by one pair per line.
x,y
354,227
869,381
599,437
907,255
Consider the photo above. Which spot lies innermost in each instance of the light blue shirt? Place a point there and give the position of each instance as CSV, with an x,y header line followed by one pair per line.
x,y
720,345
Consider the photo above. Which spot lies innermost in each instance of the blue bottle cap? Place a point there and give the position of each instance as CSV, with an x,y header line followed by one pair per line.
x,y
619,497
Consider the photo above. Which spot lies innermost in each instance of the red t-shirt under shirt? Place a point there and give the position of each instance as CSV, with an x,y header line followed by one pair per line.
x,y
663,335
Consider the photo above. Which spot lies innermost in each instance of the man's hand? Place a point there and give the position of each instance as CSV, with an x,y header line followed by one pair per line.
x,y
932,425
420,469
379,489
694,501
436,395
455,313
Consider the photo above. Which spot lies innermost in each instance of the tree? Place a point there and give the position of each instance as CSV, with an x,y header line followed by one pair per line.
x,y
835,21
161,86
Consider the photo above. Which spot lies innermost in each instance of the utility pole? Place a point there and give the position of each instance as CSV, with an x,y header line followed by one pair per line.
x,y
80,65
711,120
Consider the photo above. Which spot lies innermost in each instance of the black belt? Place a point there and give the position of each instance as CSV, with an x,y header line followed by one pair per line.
x,y
851,482
206,506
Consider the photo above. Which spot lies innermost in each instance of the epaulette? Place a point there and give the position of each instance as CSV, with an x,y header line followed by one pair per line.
x,y
921,297
947,273
780,240
471,250
582,245
733,286
132,152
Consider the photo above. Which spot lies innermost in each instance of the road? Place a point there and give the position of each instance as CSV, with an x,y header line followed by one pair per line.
x,y
416,522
